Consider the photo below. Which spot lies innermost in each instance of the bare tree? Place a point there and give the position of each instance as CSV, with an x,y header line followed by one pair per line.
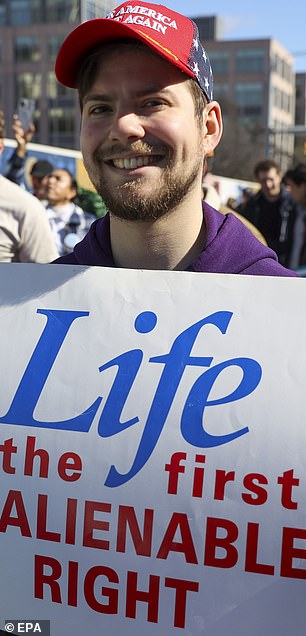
x,y
241,146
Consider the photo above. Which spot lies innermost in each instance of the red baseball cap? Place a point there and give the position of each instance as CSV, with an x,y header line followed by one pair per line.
x,y
170,34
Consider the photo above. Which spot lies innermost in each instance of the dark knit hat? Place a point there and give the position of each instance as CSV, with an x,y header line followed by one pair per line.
x,y
41,168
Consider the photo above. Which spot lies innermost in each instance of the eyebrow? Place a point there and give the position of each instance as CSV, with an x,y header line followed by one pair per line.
x,y
95,97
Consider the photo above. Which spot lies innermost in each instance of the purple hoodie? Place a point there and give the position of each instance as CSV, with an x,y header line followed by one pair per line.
x,y
230,248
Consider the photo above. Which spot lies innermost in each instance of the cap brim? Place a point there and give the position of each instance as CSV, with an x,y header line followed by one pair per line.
x,y
89,35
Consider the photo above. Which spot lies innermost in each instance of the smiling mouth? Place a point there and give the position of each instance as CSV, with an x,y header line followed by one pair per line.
x,y
130,163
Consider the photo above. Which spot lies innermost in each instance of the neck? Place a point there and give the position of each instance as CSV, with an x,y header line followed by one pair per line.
x,y
272,197
172,242
60,204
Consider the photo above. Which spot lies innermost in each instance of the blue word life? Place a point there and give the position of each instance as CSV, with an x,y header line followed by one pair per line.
x,y
173,365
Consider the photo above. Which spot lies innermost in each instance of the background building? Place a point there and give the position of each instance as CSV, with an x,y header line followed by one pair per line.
x,y
255,82
31,32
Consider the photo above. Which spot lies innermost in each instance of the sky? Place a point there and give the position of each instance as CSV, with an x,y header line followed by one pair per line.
x,y
283,21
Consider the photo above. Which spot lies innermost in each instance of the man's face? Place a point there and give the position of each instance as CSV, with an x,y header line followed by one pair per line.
x,y
39,185
141,143
297,191
270,182
59,190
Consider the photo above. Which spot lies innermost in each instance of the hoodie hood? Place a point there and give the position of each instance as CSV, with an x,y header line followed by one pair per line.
x,y
231,248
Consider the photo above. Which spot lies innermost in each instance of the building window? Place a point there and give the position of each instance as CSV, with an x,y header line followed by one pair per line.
x,y
276,64
98,9
27,49
219,62
221,90
299,84
61,125
282,68
57,91
61,120
59,11
54,44
282,100
287,72
249,98
286,102
276,97
25,12
250,61
28,85
3,19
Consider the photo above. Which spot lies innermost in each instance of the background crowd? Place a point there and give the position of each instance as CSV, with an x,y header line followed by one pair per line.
x,y
47,222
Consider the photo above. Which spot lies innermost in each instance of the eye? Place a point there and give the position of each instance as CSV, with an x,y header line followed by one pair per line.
x,y
154,103
99,109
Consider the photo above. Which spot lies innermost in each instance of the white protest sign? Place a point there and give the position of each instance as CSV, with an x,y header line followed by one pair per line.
x,y
152,452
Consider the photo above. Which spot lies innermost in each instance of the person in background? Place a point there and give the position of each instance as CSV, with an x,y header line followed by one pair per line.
x,y
212,197
231,203
246,194
69,222
88,200
272,209
38,173
145,131
15,167
295,180
25,234
14,170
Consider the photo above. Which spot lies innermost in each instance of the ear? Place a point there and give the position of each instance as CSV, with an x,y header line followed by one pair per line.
x,y
212,126
1,145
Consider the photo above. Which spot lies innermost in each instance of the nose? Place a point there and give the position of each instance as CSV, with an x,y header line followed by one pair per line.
x,y
125,127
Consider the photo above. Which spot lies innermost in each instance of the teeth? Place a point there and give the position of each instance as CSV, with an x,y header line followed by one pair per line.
x,y
133,162
118,163
130,163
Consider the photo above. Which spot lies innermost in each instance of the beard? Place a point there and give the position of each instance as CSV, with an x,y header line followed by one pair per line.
x,y
129,201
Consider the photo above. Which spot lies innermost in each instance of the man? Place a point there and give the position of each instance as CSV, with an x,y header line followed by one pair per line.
x,y
272,210
295,180
39,172
69,223
25,235
148,120
14,170
246,194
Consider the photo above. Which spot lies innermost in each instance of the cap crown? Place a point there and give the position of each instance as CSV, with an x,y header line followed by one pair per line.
x,y
170,34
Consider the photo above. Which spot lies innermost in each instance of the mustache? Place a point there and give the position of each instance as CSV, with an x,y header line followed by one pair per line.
x,y
139,147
